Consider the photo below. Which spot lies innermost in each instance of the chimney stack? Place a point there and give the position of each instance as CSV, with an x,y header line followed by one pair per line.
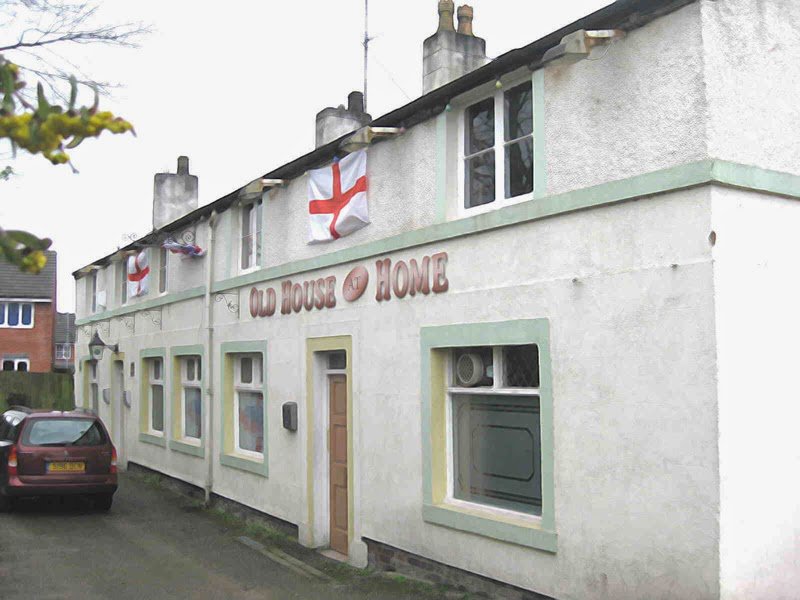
x,y
448,54
333,123
174,194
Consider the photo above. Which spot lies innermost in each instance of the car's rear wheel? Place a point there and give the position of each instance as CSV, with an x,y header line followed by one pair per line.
x,y
103,501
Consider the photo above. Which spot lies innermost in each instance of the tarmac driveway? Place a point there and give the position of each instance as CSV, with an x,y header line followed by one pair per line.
x,y
156,544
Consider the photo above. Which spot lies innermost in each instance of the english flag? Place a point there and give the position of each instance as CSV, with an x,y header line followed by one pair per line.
x,y
138,275
337,199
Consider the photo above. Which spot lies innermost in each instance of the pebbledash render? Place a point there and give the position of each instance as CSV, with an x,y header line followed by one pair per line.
x,y
561,356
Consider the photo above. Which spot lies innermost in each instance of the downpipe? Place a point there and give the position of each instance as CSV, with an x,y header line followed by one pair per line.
x,y
209,317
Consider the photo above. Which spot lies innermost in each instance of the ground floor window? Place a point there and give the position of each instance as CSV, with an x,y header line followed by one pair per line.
x,y
16,364
155,373
487,408
248,410
495,426
192,396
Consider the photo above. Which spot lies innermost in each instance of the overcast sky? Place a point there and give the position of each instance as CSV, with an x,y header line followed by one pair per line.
x,y
235,86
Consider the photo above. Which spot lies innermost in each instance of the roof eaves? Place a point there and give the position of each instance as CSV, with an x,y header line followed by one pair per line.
x,y
623,14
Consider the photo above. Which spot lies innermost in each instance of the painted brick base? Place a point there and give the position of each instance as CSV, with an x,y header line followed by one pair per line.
x,y
388,558
226,504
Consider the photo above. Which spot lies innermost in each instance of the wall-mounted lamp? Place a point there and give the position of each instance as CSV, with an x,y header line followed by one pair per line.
x,y
363,137
579,44
96,347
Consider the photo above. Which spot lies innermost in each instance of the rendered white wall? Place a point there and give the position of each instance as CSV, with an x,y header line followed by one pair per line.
x,y
757,293
639,108
751,55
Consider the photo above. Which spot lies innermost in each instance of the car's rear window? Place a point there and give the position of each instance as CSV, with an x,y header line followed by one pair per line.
x,y
63,432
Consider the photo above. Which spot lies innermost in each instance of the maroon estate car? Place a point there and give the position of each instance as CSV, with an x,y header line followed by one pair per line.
x,y
46,453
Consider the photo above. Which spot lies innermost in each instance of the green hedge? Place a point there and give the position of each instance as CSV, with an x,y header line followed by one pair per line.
x,y
37,390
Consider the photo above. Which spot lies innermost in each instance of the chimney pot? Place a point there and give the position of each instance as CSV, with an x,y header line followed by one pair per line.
x,y
446,10
355,102
465,15
183,165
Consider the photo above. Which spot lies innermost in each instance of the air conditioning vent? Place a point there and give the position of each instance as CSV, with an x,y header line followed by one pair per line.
x,y
469,369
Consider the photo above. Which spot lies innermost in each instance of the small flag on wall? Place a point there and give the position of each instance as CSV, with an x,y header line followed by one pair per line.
x,y
190,250
138,275
337,198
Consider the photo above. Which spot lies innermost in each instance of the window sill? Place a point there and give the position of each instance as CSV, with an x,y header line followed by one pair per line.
x,y
462,212
187,447
523,531
156,440
258,467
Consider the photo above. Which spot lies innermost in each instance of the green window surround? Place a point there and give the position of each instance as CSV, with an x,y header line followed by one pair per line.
x,y
176,442
229,457
438,508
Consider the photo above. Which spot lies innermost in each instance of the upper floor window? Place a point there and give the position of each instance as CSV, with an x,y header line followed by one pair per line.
x,y
163,256
93,292
16,364
251,234
123,282
498,147
16,314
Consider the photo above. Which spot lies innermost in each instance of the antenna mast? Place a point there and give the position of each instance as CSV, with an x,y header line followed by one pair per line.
x,y
366,49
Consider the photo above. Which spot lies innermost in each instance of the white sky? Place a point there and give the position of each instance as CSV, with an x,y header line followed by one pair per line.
x,y
235,86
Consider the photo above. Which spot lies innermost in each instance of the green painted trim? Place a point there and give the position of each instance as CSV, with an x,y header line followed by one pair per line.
x,y
539,156
516,534
195,292
658,182
245,464
755,178
441,168
153,439
198,451
159,352
434,470
190,350
227,454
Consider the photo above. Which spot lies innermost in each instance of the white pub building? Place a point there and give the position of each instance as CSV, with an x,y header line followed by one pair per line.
x,y
547,341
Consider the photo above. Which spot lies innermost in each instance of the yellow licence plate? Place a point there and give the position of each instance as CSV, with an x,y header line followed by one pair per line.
x,y
66,467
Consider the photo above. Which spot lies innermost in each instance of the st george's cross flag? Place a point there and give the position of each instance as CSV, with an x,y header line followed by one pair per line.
x,y
138,275
337,199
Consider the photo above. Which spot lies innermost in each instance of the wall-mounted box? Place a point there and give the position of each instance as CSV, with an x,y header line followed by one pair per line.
x,y
290,416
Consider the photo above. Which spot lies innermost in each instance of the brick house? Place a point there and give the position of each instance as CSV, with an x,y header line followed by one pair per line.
x,y
27,317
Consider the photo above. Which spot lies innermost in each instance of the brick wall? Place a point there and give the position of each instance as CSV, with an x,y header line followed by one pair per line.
x,y
36,343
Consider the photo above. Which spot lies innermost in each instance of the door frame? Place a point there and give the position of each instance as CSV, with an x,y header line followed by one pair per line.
x,y
317,450
118,407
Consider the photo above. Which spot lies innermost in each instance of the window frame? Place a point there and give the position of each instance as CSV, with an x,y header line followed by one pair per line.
x,y
439,508
497,390
93,292
94,387
229,456
255,232
123,278
254,386
195,383
60,354
5,309
153,381
17,362
451,152
163,270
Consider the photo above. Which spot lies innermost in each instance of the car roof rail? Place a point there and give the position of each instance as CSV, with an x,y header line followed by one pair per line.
x,y
25,409
84,410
